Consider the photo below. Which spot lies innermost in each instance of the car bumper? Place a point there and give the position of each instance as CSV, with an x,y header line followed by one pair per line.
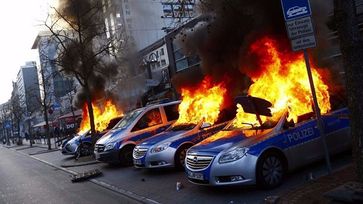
x,y
240,172
164,159
111,156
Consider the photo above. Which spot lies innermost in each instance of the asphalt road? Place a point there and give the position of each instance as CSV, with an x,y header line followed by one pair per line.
x,y
160,185
25,180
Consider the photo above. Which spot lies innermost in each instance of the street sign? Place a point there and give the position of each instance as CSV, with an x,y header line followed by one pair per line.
x,y
301,33
303,43
7,124
299,27
293,9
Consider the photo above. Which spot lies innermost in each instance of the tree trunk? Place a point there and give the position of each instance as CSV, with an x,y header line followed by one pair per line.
x,y
91,116
351,45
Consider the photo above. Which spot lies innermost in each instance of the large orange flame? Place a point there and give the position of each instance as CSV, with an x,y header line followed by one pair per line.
x,y
202,103
284,82
102,116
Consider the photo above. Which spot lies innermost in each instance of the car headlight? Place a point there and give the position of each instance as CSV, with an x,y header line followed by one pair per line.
x,y
160,147
110,146
233,155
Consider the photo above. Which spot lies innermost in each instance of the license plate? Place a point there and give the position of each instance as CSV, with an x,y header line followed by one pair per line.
x,y
137,162
193,175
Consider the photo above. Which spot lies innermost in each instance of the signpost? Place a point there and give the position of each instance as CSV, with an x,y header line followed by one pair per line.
x,y
297,14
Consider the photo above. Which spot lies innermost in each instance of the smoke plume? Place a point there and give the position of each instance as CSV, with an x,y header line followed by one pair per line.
x,y
223,38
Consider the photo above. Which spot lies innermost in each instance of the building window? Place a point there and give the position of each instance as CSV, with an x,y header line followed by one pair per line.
x,y
181,60
163,62
161,51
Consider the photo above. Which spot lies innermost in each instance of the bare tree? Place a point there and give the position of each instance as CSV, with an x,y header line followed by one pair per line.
x,y
17,112
86,50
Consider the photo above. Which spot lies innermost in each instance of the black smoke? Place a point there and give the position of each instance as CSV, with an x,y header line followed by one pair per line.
x,y
84,49
229,27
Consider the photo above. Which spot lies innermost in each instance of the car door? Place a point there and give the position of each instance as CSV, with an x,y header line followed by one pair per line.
x,y
148,125
303,143
337,132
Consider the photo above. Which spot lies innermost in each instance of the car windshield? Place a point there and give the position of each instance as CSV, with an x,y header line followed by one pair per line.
x,y
128,119
184,126
268,123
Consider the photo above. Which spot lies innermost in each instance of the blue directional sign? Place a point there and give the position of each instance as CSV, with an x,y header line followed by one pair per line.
x,y
295,8
7,124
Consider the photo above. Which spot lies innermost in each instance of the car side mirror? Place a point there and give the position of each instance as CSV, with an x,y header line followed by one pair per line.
x,y
205,125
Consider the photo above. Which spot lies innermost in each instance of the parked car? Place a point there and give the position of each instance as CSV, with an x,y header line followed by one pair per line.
x,y
168,149
116,146
81,144
262,154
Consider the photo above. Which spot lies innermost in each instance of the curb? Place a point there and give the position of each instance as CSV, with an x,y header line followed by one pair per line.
x,y
80,164
113,188
43,152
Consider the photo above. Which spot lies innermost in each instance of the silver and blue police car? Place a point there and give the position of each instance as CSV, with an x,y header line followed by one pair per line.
x,y
262,154
116,146
168,149
81,143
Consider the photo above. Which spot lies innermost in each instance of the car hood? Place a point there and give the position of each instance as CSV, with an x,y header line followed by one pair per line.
x,y
75,140
226,139
167,136
112,136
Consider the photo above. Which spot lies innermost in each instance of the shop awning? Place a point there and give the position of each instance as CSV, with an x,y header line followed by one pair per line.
x,y
69,115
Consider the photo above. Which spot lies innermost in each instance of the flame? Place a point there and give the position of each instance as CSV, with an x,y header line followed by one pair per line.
x,y
202,103
102,116
284,82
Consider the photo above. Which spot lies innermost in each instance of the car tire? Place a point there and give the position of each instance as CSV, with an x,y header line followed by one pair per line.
x,y
270,170
86,149
180,155
126,155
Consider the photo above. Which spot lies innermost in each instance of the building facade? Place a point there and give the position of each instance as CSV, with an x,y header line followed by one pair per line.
x,y
52,81
27,85
145,21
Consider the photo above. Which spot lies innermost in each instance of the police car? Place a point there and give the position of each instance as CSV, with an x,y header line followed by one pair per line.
x,y
262,154
81,144
168,149
116,146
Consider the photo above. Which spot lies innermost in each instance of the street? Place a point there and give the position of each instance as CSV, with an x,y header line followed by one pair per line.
x,y
25,177
25,180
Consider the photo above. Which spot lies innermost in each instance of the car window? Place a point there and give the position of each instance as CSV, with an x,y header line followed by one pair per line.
x,y
151,118
128,119
172,112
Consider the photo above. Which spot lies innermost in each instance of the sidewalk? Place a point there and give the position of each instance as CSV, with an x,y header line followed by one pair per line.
x,y
313,191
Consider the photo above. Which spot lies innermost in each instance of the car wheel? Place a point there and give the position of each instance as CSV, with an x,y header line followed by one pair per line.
x,y
126,155
86,149
180,157
270,170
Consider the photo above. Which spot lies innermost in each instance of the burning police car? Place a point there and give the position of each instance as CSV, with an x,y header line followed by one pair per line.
x,y
168,149
81,144
116,146
261,153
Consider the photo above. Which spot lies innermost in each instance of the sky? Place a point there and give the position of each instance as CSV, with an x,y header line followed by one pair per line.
x,y
20,22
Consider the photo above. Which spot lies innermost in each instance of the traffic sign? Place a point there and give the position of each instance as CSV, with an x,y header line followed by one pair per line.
x,y
303,43
293,9
299,27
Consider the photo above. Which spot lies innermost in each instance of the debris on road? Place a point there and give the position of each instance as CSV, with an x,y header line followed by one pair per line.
x,y
179,185
86,175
